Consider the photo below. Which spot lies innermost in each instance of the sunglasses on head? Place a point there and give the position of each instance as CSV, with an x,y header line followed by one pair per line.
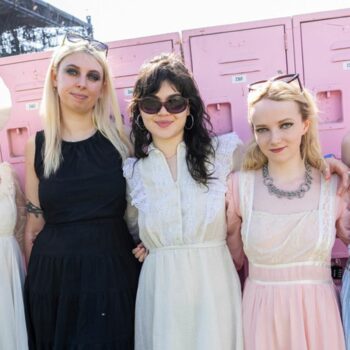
x,y
173,104
76,38
287,78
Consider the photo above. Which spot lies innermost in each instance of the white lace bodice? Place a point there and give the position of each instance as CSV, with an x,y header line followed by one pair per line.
x,y
179,212
306,236
8,211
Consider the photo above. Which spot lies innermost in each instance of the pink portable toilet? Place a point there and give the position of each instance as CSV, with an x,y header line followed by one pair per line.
x,y
24,75
225,59
126,57
322,57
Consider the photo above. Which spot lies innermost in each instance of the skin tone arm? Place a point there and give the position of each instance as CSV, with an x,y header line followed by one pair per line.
x,y
337,167
35,220
345,149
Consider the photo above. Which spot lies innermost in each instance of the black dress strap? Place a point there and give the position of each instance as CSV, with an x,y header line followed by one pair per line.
x,y
38,158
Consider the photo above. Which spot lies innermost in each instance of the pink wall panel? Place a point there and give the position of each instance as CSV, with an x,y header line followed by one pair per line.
x,y
24,75
322,55
225,59
126,57
322,43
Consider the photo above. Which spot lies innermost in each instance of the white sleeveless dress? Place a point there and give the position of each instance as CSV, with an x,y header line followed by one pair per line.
x,y
13,334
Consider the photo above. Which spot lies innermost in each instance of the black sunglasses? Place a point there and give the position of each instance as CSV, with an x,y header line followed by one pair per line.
x,y
287,78
152,105
76,38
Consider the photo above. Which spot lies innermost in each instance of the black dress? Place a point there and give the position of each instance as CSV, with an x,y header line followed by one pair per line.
x,y
82,277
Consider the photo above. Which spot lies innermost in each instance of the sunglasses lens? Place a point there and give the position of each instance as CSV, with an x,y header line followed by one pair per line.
x,y
74,38
98,45
176,104
257,86
150,105
287,79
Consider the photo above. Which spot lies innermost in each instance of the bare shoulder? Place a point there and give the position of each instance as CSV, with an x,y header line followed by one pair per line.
x,y
346,139
345,149
30,149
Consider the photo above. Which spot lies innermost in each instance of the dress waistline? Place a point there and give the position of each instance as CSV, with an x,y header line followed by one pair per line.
x,y
301,273
202,245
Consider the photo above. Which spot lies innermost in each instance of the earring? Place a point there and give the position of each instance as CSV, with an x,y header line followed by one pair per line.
x,y
138,122
192,123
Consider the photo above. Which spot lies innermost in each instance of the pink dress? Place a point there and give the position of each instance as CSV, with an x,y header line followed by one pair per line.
x,y
289,301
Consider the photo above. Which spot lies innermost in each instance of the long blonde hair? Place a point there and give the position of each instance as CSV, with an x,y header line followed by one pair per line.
x,y
111,127
310,149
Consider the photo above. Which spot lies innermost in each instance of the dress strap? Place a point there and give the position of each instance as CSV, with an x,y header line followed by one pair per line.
x,y
38,158
326,217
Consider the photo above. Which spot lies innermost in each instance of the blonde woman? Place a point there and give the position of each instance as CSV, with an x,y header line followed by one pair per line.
x,y
82,278
287,214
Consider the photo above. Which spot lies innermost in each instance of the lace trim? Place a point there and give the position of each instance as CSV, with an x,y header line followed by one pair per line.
x,y
246,196
326,219
133,176
7,185
225,146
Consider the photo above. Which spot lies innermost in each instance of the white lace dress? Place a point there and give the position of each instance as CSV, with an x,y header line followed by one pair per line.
x,y
13,334
189,294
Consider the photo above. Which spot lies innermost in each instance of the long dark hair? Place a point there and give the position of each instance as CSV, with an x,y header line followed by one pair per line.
x,y
199,147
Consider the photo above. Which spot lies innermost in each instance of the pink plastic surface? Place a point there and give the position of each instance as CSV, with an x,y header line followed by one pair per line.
x,y
225,59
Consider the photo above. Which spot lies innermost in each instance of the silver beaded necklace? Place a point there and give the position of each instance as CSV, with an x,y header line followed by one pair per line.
x,y
299,193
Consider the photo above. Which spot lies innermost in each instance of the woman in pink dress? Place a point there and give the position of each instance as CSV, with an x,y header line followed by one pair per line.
x,y
286,213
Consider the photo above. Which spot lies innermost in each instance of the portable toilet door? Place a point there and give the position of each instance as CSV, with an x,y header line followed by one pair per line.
x,y
225,59
125,58
322,56
24,76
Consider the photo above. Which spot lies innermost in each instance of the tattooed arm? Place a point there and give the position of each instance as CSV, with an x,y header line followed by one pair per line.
x,y
35,219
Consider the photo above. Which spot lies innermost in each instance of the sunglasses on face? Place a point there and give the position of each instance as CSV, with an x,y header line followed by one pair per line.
x,y
173,104
287,78
76,38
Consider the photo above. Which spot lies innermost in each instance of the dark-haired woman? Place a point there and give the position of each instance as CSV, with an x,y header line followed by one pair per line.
x,y
189,292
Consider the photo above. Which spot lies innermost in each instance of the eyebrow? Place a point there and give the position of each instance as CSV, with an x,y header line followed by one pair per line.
x,y
279,122
176,94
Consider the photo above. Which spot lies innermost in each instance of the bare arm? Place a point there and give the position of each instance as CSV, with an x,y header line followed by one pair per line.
x,y
35,220
345,149
335,166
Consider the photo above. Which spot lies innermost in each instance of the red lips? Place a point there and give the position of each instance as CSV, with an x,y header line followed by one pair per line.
x,y
277,150
163,124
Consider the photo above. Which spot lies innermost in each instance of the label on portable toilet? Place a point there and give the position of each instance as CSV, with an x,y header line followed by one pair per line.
x,y
32,106
346,65
128,91
239,78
